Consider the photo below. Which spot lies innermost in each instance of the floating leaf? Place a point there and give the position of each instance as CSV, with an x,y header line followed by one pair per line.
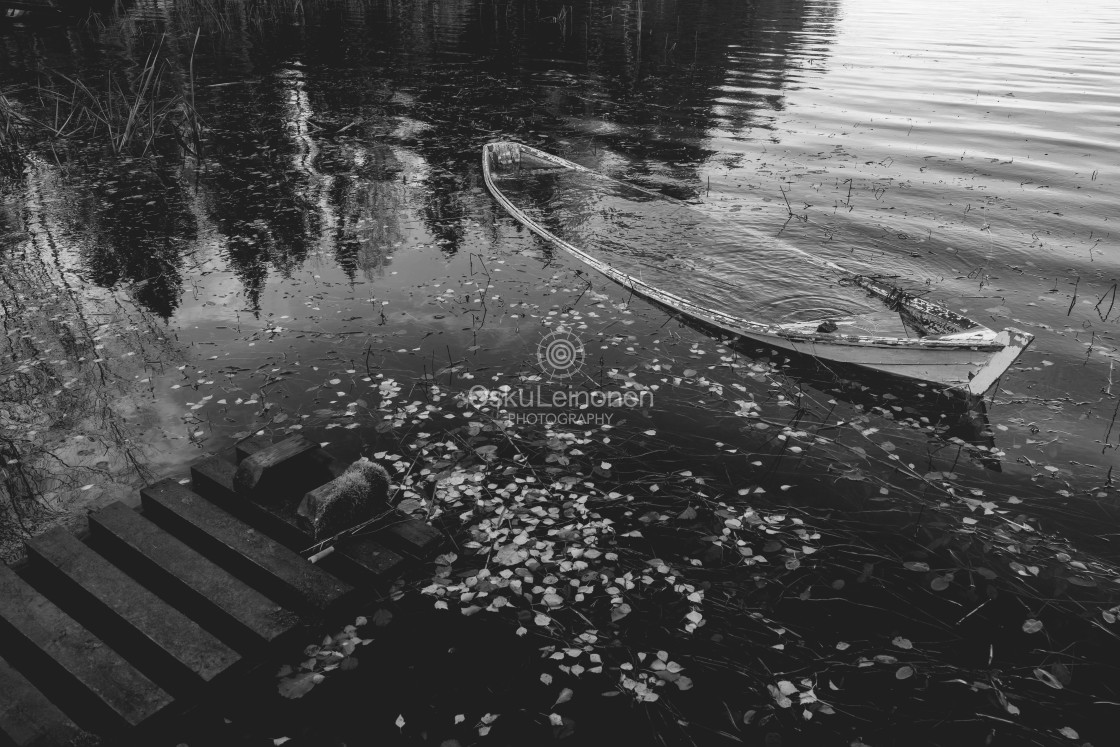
x,y
1048,679
1030,625
785,687
510,554
620,612
941,583
400,721
299,685
1068,733
903,643
914,565
565,695
904,672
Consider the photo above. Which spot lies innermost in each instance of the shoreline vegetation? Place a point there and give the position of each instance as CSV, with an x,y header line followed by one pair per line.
x,y
827,563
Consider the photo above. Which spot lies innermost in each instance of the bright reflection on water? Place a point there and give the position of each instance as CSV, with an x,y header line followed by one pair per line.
x,y
336,218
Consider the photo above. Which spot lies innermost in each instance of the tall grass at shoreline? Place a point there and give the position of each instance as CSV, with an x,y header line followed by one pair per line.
x,y
132,113
12,156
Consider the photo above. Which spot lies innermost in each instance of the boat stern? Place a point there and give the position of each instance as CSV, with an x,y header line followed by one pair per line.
x,y
1014,342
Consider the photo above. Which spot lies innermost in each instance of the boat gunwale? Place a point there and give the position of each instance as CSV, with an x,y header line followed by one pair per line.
x,y
728,322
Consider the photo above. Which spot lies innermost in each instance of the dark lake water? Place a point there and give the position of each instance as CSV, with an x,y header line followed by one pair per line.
x,y
329,252
337,219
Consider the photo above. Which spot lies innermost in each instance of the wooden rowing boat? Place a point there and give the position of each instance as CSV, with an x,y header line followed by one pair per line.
x,y
670,253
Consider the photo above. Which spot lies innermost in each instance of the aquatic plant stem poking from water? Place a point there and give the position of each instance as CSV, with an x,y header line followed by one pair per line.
x,y
11,156
133,117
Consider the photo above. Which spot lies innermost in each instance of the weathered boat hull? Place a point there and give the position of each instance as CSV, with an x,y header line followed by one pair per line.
x,y
968,357
969,368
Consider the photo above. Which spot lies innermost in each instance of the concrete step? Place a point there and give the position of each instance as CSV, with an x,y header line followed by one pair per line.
x,y
398,531
27,717
227,606
362,561
163,642
243,550
53,648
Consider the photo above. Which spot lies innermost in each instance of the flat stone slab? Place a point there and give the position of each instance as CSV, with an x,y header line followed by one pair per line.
x,y
270,473
28,718
52,639
212,478
161,633
247,552
183,572
327,466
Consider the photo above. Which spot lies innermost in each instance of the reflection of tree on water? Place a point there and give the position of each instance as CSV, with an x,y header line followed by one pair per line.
x,y
642,79
370,203
72,370
248,193
294,172
139,227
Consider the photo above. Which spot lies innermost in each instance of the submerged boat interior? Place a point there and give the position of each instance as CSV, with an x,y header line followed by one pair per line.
x,y
742,281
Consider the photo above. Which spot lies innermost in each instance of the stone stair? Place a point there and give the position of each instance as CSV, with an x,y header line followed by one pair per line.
x,y
158,610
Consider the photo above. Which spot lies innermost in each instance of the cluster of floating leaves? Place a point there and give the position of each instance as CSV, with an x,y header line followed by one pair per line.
x,y
553,528
333,652
554,544
560,527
